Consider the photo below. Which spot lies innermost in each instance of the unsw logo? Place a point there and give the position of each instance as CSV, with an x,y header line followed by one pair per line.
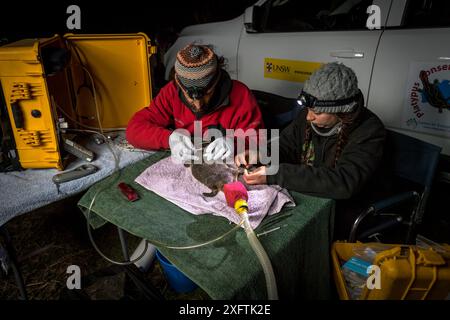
x,y
270,68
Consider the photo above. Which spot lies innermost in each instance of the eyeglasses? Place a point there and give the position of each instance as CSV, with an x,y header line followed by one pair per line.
x,y
306,100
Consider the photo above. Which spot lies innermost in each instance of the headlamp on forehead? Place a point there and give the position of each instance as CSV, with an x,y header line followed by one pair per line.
x,y
306,100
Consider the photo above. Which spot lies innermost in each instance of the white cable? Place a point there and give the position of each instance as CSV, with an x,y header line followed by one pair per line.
x,y
107,186
82,124
94,91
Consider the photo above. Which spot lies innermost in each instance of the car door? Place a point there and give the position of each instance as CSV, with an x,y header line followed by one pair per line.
x,y
292,40
410,88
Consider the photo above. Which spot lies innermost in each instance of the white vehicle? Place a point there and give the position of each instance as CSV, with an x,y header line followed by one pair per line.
x,y
403,67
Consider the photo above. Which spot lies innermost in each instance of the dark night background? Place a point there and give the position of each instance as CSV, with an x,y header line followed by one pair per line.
x,y
160,20
20,19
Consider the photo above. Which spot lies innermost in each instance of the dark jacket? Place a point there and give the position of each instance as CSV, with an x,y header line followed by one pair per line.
x,y
357,163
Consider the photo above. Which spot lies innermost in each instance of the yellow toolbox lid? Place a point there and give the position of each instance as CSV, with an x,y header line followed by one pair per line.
x,y
24,50
120,67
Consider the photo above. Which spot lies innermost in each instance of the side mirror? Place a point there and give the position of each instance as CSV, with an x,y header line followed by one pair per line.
x,y
248,20
253,17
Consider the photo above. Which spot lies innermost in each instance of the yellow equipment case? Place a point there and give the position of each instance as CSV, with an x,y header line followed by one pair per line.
x,y
406,272
72,81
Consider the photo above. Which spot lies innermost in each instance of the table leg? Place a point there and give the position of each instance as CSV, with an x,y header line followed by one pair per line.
x,y
13,263
124,243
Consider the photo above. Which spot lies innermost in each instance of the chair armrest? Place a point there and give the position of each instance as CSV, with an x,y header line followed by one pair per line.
x,y
392,221
399,198
380,205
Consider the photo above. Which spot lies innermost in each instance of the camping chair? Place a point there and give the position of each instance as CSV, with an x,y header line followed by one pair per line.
x,y
412,163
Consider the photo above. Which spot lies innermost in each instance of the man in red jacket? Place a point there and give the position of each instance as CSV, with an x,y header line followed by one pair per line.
x,y
201,91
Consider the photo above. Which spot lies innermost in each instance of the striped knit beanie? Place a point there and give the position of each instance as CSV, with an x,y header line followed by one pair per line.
x,y
333,81
195,66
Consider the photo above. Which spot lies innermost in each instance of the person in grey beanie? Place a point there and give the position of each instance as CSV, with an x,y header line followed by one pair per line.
x,y
334,146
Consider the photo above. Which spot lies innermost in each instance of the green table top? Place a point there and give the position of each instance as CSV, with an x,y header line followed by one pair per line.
x,y
227,269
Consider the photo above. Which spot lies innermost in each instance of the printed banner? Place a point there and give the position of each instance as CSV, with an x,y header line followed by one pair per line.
x,y
290,70
427,104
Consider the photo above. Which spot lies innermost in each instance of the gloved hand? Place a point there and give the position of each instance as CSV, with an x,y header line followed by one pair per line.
x,y
181,147
220,148
246,158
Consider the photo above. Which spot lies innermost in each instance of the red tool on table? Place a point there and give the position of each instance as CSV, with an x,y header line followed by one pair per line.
x,y
129,193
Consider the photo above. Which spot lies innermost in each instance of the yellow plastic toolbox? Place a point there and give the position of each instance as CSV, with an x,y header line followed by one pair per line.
x,y
406,272
71,81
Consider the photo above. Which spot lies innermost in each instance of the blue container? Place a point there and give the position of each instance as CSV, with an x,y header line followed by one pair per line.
x,y
177,280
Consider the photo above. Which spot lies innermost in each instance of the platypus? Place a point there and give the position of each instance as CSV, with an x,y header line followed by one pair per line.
x,y
433,93
214,175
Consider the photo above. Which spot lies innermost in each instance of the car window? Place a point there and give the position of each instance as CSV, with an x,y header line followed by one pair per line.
x,y
427,13
292,15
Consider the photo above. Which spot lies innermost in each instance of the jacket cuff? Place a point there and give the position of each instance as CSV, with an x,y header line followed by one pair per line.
x,y
165,139
273,178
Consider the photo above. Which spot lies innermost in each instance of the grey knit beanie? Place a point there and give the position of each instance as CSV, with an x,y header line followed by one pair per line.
x,y
333,81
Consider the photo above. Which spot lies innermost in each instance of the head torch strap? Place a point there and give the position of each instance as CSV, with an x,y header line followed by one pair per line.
x,y
198,92
312,101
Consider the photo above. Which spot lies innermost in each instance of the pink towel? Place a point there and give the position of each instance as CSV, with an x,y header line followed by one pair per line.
x,y
175,183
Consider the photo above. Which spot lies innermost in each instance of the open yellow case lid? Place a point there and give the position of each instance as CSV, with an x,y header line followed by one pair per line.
x,y
120,67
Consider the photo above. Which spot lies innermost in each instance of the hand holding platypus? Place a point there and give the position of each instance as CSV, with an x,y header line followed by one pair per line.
x,y
214,175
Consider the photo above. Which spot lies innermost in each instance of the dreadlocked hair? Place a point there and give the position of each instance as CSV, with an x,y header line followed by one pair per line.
x,y
349,121
306,143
